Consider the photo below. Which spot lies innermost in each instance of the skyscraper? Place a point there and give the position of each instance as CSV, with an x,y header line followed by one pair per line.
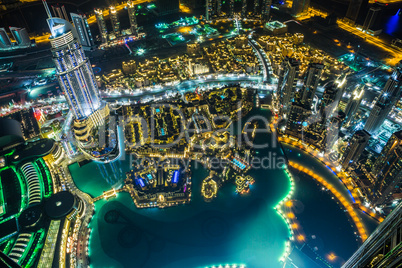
x,y
390,95
356,147
332,132
373,16
101,24
5,42
114,19
383,248
300,7
77,80
354,103
244,8
354,10
218,4
266,10
132,17
288,75
21,36
257,10
387,169
231,8
84,32
311,80
209,9
332,95
297,119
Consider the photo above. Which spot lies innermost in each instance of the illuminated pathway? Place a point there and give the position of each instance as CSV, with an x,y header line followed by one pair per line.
x,y
344,201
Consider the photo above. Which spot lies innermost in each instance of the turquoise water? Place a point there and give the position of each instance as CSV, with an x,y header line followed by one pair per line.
x,y
230,229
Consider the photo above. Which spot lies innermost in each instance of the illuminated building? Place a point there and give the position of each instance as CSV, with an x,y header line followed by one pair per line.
x,y
356,7
266,9
383,248
21,36
77,80
297,119
244,8
218,4
101,24
256,7
387,169
311,80
300,6
114,20
84,32
353,104
231,8
332,132
60,12
330,99
129,67
288,74
355,148
4,39
132,17
372,19
209,9
390,95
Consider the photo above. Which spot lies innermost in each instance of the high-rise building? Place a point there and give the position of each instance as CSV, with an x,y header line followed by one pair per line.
x,y
311,80
297,119
266,10
331,97
84,32
114,19
356,147
166,7
77,80
372,19
353,104
132,17
288,75
231,8
60,12
387,169
355,9
257,10
383,248
209,9
101,24
332,132
21,36
5,42
300,6
218,4
378,114
244,8
389,97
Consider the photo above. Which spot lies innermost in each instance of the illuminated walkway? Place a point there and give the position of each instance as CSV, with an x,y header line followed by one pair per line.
x,y
344,201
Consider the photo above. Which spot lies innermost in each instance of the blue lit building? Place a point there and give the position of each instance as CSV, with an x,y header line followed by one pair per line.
x,y
84,32
73,68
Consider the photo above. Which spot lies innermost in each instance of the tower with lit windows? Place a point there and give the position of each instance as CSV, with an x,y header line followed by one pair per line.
x,y
311,80
266,10
77,80
101,24
353,104
256,7
288,75
389,96
132,17
114,20
244,8
356,146
231,8
84,32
